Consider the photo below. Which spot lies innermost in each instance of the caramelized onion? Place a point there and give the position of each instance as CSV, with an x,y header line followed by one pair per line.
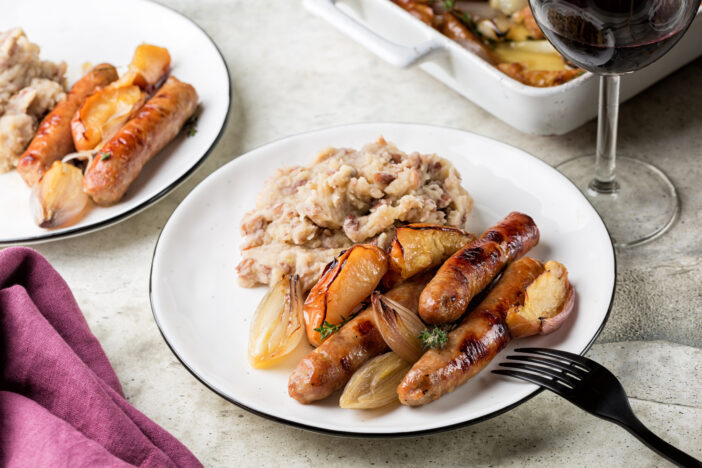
x,y
58,199
374,385
399,326
277,329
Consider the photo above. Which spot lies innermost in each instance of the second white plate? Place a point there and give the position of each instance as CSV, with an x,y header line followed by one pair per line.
x,y
75,31
204,315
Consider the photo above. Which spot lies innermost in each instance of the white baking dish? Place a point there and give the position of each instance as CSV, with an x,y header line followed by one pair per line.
x,y
402,40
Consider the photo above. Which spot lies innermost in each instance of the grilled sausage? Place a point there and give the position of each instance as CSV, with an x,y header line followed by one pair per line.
x,y
471,269
121,159
473,344
330,366
452,27
53,139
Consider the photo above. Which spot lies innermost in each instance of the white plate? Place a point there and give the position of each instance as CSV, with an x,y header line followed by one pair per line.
x,y
79,31
204,315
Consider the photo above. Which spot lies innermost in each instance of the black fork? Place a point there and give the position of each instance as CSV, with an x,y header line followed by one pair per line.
x,y
591,387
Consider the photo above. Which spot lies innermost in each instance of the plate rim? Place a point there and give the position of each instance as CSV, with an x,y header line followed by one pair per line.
x,y
354,434
78,231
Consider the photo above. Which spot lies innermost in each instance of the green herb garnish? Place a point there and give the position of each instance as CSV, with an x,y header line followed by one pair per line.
x,y
436,336
328,329
191,126
449,4
105,156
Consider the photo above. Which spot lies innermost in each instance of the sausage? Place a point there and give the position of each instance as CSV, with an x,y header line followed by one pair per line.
x,y
121,159
453,28
53,139
472,345
471,269
330,366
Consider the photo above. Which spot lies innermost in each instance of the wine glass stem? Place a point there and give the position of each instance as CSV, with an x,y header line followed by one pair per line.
x,y
605,156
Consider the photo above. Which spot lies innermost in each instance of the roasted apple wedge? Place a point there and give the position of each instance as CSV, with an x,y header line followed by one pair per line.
x,y
419,247
150,65
548,302
103,114
346,282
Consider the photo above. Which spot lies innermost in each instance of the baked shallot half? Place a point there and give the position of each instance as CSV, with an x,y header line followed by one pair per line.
x,y
374,385
277,328
57,199
399,326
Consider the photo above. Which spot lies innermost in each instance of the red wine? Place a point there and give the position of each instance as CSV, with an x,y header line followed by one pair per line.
x,y
613,36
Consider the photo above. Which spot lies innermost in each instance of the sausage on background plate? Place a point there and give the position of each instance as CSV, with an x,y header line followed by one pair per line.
x,y
53,139
121,159
470,270
474,343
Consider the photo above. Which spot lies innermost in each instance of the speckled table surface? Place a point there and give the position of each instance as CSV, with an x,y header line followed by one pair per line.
x,y
291,73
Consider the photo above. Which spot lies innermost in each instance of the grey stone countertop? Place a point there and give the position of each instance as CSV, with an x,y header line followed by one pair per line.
x,y
291,72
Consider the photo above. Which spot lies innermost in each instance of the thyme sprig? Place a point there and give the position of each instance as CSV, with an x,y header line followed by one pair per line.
x,y
436,336
328,329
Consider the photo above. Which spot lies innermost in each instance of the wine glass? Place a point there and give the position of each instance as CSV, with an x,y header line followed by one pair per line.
x,y
610,38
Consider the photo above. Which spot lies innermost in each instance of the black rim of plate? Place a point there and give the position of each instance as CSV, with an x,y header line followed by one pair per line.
x,y
387,435
74,232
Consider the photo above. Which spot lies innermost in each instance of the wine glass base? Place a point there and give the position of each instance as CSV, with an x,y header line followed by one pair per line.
x,y
641,207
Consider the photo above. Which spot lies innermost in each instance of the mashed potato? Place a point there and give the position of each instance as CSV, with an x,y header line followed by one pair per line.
x,y
29,88
306,215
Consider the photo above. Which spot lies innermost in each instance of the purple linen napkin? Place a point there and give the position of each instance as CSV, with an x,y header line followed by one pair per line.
x,y
61,403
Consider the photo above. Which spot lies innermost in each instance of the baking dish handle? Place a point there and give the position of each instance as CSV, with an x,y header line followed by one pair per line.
x,y
394,54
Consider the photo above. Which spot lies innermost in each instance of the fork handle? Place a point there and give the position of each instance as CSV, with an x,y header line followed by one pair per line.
x,y
655,443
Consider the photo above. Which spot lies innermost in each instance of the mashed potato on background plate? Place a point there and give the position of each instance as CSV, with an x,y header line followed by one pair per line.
x,y
29,88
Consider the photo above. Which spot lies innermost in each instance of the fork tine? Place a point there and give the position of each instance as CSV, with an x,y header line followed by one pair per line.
x,y
566,356
576,371
543,381
558,375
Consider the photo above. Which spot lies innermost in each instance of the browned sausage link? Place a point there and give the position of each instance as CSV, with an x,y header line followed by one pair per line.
x,y
121,159
453,27
53,139
471,269
331,365
471,346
